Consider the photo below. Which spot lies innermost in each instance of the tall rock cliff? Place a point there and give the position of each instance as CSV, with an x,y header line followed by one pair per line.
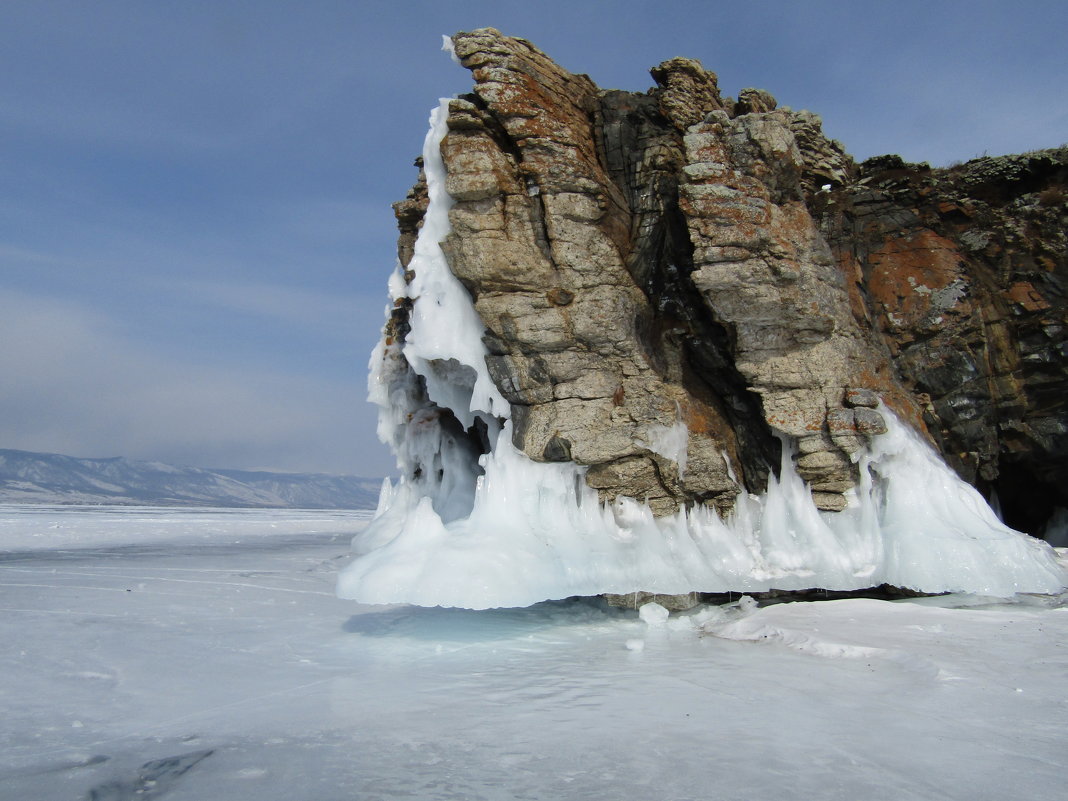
x,y
673,283
680,343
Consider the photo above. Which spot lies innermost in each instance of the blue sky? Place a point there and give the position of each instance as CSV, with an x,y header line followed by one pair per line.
x,y
195,222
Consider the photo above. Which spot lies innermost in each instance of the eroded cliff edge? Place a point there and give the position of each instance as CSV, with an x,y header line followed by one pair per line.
x,y
672,281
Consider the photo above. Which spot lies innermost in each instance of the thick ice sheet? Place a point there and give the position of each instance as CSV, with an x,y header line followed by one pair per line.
x,y
505,531
537,532
32,527
231,671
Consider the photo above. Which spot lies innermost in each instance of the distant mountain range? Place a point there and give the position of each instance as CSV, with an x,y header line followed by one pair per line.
x,y
27,477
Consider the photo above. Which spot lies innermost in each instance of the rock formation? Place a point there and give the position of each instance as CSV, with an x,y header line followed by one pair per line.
x,y
674,343
674,283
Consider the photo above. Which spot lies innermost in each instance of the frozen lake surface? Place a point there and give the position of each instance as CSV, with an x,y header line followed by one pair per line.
x,y
202,654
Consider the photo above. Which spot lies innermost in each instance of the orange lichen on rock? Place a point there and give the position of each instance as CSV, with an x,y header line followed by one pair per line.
x,y
1027,297
917,279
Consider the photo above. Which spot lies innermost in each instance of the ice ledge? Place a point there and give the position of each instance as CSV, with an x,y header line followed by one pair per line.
x,y
537,532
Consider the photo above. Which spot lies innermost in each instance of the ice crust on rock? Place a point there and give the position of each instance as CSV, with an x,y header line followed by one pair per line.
x,y
444,345
671,443
500,530
442,359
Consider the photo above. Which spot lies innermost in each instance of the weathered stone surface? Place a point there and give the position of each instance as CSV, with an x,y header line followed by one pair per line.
x,y
754,101
636,600
858,396
409,213
641,260
869,421
689,92
542,237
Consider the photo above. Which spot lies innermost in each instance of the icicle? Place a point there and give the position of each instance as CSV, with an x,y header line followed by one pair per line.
x,y
536,531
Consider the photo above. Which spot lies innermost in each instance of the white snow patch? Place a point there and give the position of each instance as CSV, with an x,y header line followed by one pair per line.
x,y
448,46
761,625
653,615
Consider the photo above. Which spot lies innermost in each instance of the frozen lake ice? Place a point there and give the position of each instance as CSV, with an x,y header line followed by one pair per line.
x,y
202,654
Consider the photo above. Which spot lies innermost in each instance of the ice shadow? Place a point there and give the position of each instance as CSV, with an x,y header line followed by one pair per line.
x,y
152,780
450,624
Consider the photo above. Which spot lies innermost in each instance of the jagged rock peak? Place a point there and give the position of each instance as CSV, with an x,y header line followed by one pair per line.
x,y
688,92
754,101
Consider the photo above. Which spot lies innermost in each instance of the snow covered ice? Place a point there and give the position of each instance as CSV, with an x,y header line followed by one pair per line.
x,y
224,667
500,530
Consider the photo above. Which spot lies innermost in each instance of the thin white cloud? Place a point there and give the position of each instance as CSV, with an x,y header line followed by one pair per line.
x,y
74,384
342,315
332,220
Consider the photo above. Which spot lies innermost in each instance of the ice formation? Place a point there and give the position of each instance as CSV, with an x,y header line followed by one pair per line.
x,y
496,529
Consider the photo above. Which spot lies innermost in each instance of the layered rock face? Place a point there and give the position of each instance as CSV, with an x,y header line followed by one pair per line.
x,y
962,275
673,284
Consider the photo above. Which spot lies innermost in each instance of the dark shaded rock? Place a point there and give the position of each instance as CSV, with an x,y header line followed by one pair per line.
x,y
963,274
673,603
